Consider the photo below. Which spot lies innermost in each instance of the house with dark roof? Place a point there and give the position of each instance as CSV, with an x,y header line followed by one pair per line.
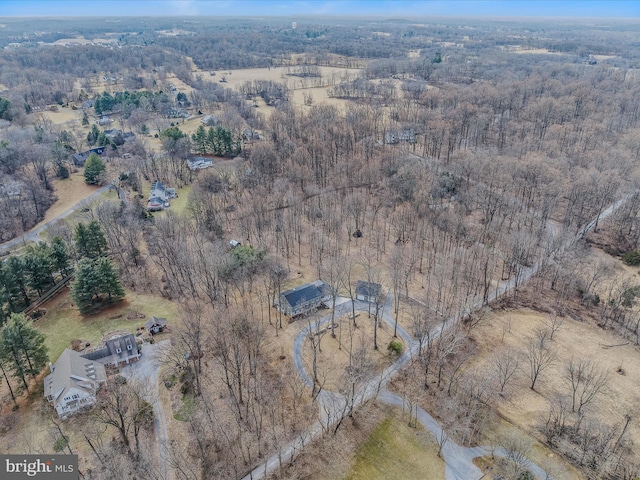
x,y
117,352
368,291
79,159
304,298
155,325
73,382
159,196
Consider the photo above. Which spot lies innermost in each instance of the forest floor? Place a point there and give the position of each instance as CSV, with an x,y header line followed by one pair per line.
x,y
333,360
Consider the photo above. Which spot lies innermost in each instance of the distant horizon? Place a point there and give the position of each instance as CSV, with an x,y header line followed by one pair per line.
x,y
562,9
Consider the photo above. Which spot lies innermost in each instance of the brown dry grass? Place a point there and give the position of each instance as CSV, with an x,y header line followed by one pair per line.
x,y
69,191
333,360
527,408
62,116
378,447
235,78
579,338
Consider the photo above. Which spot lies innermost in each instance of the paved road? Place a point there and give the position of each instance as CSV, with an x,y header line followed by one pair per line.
x,y
146,369
33,235
458,459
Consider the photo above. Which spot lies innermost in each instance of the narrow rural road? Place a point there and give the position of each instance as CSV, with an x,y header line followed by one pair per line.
x,y
33,234
459,465
146,370
458,459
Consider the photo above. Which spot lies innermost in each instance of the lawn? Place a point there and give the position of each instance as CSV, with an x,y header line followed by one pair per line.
x,y
395,450
179,205
63,322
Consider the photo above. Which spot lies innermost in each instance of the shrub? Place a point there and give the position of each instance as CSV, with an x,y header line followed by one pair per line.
x,y
632,258
395,347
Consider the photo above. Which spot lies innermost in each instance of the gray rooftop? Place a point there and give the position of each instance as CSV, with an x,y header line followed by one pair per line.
x,y
72,370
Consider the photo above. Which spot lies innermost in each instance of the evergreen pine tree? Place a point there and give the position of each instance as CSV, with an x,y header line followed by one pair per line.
x,y
23,348
109,280
200,140
15,282
92,136
84,286
90,240
93,168
97,241
96,285
39,267
60,256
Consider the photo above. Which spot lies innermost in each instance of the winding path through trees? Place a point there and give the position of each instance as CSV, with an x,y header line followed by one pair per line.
x,y
333,406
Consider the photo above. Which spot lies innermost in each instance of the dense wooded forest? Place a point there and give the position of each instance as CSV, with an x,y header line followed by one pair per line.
x,y
450,156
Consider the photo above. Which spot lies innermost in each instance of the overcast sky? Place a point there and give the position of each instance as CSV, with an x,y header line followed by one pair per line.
x,y
562,8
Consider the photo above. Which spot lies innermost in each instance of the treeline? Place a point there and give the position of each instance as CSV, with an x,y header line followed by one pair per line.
x,y
24,278
218,141
266,89
38,76
146,100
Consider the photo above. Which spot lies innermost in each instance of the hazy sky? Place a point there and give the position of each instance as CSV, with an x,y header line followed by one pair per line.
x,y
563,8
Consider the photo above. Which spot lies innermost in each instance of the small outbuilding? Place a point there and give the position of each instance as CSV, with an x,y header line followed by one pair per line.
x,y
368,291
155,325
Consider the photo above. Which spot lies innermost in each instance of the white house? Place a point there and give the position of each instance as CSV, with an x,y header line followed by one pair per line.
x,y
73,382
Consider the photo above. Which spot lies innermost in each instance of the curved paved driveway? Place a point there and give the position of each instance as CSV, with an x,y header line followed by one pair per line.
x,y
146,369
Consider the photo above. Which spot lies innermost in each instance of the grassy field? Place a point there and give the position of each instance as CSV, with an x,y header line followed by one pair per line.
x,y
63,323
178,205
394,450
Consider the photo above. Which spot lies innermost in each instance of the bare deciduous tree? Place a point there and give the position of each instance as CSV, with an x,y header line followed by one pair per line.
x,y
586,381
540,356
506,364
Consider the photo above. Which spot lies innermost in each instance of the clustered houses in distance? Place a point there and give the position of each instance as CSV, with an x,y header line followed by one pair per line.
x,y
159,196
76,377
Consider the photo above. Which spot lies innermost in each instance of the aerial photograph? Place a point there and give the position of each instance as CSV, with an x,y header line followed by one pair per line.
x,y
318,240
